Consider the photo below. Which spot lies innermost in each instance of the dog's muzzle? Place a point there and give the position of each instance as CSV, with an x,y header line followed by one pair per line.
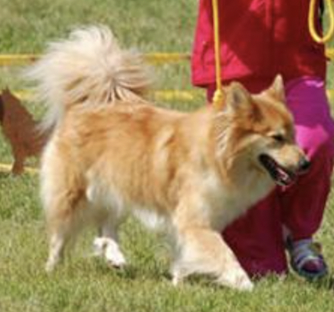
x,y
281,175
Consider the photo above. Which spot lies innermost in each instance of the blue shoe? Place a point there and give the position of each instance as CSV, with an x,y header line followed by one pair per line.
x,y
306,258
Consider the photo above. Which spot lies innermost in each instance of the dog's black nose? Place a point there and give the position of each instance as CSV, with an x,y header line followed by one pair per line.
x,y
304,165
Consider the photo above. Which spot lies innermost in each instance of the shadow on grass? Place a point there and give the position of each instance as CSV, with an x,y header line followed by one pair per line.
x,y
133,272
5,175
326,283
323,283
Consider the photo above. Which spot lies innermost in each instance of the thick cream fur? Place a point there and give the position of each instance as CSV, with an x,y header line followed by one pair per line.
x,y
112,153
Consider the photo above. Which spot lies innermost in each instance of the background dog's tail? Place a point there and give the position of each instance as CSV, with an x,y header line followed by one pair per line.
x,y
89,69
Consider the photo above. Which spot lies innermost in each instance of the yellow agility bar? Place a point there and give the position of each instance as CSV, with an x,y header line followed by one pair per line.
x,y
161,95
155,58
8,168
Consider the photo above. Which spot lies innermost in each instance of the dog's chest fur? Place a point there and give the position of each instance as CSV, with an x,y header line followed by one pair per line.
x,y
226,203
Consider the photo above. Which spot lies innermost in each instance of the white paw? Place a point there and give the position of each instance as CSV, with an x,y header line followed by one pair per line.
x,y
50,266
178,274
114,256
99,246
245,284
237,279
107,247
176,280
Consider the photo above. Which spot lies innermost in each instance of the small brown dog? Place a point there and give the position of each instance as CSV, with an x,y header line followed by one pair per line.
x,y
20,130
113,153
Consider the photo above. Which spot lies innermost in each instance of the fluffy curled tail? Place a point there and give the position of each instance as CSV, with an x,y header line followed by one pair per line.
x,y
88,69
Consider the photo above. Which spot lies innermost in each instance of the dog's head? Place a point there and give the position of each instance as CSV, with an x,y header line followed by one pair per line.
x,y
263,132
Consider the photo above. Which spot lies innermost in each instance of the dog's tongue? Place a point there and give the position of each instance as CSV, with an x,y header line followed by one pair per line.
x,y
284,177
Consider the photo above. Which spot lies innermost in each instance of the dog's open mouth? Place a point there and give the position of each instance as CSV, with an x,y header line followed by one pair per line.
x,y
280,175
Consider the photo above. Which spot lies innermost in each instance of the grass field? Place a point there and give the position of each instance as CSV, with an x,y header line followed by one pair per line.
x,y
84,283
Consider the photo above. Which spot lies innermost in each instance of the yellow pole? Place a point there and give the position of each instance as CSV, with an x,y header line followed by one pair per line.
x,y
218,96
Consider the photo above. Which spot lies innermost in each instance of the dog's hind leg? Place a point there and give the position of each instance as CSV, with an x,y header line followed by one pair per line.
x,y
58,240
107,243
63,224
63,198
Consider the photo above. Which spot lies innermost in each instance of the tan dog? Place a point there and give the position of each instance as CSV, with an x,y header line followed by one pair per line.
x,y
113,153
20,130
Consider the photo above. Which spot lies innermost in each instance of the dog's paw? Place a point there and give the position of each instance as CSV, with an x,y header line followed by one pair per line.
x,y
237,279
50,266
99,246
176,279
244,284
107,247
115,257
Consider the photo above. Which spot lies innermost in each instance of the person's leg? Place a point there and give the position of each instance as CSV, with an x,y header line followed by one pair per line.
x,y
303,204
256,239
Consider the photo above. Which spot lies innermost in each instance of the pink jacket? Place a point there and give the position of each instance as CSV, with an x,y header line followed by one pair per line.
x,y
259,38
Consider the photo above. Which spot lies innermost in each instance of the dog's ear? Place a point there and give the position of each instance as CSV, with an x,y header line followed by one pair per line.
x,y
277,88
237,97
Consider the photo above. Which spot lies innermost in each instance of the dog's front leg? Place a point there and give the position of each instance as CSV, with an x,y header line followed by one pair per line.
x,y
19,157
203,251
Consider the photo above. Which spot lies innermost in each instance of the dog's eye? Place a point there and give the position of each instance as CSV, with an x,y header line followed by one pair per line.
x,y
278,138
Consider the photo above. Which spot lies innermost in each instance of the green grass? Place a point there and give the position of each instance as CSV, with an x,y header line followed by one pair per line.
x,y
84,283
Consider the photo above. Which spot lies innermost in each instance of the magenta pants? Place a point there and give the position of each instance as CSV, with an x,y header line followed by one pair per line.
x,y
257,237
